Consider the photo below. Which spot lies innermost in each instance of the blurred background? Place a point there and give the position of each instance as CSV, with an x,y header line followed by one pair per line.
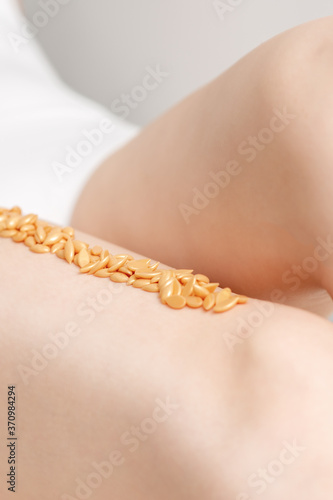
x,y
106,49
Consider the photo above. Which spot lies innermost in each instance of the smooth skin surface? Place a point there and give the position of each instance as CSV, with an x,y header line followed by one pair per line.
x,y
239,397
264,128
249,408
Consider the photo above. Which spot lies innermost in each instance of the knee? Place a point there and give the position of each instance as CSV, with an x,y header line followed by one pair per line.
x,y
296,67
290,74
292,56
296,76
290,383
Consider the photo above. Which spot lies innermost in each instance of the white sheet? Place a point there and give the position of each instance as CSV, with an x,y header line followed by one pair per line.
x,y
51,139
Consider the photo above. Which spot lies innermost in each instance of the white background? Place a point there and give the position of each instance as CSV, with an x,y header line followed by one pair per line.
x,y
102,47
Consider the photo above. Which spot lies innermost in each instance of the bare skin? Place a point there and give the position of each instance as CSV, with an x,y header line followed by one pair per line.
x,y
236,402
267,122
249,392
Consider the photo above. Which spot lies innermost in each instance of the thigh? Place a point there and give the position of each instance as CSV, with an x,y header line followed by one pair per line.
x,y
227,181
119,395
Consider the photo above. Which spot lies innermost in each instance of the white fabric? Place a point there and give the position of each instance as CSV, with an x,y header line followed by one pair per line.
x,y
49,138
